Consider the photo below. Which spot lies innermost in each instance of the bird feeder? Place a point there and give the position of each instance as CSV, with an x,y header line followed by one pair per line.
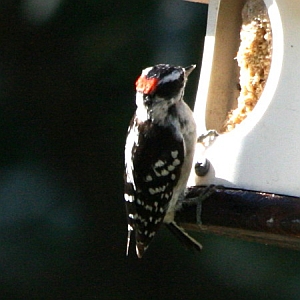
x,y
249,92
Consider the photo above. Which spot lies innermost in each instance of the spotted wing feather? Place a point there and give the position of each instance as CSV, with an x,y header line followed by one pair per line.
x,y
157,157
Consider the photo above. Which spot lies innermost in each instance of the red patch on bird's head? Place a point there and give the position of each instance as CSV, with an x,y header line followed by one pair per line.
x,y
146,85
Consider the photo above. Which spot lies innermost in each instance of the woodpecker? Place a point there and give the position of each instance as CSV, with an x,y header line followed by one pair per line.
x,y
159,153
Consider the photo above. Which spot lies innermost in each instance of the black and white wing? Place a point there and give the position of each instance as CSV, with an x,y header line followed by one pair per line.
x,y
154,155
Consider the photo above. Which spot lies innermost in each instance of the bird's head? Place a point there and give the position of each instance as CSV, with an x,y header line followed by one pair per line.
x,y
162,83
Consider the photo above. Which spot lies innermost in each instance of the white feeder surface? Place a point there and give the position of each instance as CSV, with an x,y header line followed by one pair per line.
x,y
263,152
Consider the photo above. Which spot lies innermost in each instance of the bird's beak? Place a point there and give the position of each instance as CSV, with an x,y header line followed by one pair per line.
x,y
189,70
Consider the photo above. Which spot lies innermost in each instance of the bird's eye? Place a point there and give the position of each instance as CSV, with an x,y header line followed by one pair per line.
x,y
169,89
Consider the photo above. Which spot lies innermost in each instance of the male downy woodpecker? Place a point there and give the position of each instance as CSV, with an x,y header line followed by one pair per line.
x,y
158,154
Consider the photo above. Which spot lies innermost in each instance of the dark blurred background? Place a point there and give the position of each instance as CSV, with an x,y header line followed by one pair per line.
x,y
67,73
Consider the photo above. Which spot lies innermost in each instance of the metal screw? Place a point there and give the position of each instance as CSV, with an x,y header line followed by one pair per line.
x,y
202,167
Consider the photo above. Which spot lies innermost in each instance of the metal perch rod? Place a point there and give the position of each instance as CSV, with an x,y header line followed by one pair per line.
x,y
254,216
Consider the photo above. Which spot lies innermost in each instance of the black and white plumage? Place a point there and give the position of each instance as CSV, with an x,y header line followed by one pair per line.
x,y
158,154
